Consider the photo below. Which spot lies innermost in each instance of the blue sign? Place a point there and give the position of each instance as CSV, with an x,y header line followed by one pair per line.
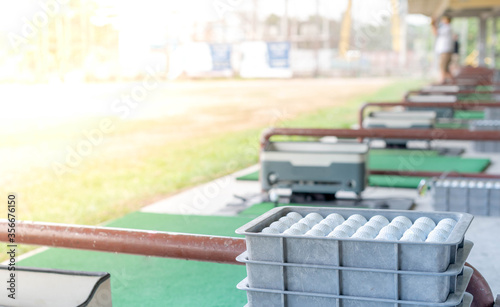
x,y
221,56
278,54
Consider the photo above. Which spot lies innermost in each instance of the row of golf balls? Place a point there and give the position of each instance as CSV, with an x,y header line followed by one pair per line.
x,y
378,227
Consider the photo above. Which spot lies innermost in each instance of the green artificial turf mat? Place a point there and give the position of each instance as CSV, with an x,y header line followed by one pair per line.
x,y
451,126
254,176
428,163
460,114
153,281
394,181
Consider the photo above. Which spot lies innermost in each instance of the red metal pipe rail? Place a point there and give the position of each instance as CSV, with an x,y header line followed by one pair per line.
x,y
444,105
128,241
479,288
460,92
415,134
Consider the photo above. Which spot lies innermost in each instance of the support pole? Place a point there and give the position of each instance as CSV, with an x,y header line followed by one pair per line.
x,y
482,41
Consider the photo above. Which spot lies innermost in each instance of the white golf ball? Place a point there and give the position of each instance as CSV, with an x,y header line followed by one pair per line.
x,y
353,224
411,237
294,216
441,232
287,221
330,223
446,227
362,235
419,232
392,230
315,233
293,232
335,217
387,237
359,218
280,226
376,225
426,228
403,219
308,222
402,226
314,217
369,230
435,237
426,220
270,230
338,234
323,228
380,219
448,221
303,228
346,228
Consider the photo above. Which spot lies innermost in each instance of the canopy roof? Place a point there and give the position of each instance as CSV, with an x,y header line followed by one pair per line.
x,y
436,8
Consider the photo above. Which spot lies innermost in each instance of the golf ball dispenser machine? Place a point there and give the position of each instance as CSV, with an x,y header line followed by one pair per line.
x,y
316,168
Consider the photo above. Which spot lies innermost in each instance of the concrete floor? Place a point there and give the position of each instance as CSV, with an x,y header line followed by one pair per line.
x,y
218,198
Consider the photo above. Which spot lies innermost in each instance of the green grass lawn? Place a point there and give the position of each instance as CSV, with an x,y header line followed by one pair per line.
x,y
110,184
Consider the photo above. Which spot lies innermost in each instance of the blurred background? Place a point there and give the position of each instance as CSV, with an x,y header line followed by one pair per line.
x,y
74,41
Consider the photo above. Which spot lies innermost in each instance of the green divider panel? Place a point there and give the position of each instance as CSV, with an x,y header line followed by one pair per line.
x,y
152,281
459,114
428,163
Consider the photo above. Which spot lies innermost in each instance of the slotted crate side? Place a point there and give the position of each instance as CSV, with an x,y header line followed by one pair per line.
x,y
276,298
356,282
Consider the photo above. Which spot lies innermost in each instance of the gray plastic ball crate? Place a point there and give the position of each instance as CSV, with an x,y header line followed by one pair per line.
x,y
404,285
473,195
486,124
351,252
276,298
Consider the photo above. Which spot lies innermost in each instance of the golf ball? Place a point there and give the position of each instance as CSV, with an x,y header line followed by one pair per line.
x,y
330,223
294,216
435,237
315,233
411,237
369,230
403,219
300,227
441,232
426,220
316,217
353,224
359,218
376,225
448,221
446,227
426,228
335,217
280,226
362,235
392,230
337,233
293,232
380,219
270,230
287,221
402,226
346,228
308,222
323,228
419,232
386,237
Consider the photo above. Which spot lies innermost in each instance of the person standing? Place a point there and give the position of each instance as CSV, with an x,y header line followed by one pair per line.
x,y
444,46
